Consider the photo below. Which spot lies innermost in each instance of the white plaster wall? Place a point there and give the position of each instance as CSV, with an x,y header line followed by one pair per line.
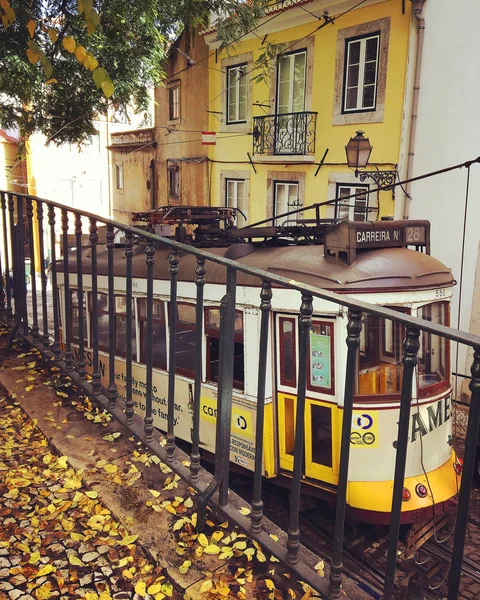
x,y
448,132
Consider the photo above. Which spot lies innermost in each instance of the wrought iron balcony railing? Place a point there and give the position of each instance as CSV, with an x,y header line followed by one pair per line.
x,y
288,133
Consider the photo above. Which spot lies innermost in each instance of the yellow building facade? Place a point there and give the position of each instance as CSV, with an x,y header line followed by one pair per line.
x,y
280,141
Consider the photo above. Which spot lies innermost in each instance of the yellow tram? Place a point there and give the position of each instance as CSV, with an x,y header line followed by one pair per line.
x,y
371,261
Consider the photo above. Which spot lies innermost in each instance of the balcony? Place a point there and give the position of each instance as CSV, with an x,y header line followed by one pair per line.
x,y
285,134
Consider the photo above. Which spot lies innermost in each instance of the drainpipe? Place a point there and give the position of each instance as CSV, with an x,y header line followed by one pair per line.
x,y
417,13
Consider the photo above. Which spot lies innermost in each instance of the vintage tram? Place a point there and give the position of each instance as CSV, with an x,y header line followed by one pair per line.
x,y
385,263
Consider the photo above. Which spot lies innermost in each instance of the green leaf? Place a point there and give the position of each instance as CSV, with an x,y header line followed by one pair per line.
x,y
99,76
107,87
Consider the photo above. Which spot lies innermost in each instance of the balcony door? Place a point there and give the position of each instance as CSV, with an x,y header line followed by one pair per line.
x,y
290,114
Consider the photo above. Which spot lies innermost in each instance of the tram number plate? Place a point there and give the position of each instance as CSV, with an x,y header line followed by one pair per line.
x,y
441,293
415,235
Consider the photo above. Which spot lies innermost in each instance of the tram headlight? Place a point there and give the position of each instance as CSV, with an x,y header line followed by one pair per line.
x,y
406,495
458,465
421,490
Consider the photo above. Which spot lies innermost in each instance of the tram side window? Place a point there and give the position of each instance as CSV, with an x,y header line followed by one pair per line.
x,y
288,352
102,321
158,333
185,352
321,434
75,318
212,332
380,356
432,357
320,364
121,328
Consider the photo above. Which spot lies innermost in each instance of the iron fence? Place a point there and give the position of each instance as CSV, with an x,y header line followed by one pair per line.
x,y
24,229
288,133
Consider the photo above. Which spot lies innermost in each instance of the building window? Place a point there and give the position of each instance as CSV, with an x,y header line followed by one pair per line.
x,y
173,181
237,94
174,103
119,176
291,80
286,200
361,73
236,198
352,209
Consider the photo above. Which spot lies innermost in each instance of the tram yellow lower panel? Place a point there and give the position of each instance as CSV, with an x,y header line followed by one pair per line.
x,y
377,495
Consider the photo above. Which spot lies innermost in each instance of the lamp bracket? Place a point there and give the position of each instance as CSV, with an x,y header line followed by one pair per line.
x,y
383,179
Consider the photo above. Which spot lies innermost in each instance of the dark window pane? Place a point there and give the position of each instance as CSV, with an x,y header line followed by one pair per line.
x,y
103,333
371,49
102,302
321,435
354,54
289,425
353,76
370,73
76,328
158,333
368,96
212,330
432,365
351,98
121,337
287,352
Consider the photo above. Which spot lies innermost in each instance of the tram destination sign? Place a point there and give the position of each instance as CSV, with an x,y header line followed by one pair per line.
x,y
345,239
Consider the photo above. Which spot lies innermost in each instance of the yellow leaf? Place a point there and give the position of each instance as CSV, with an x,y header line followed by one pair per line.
x,y
76,537
202,540
90,62
108,88
206,585
43,592
167,589
62,462
129,539
270,585
53,35
34,557
178,524
245,511
212,549
261,556
92,495
110,469
32,57
29,388
154,589
80,53
188,503
183,568
31,26
199,552
240,545
69,44
45,570
274,537
217,535
91,596
154,493
319,568
141,588
225,555
75,561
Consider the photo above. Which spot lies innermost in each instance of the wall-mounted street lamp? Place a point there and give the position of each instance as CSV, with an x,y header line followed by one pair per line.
x,y
358,152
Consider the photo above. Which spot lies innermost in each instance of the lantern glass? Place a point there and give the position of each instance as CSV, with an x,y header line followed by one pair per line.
x,y
358,151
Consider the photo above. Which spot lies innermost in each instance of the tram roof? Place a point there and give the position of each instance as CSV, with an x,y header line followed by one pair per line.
x,y
382,269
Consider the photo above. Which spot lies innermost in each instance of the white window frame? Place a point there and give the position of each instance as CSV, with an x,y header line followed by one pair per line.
x,y
361,73
243,204
291,57
241,72
352,202
174,102
287,184
173,176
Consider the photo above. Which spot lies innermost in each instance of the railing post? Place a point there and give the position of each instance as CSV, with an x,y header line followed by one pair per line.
x,y
257,503
467,477
35,330
112,333
225,385
66,277
129,404
11,222
195,457
2,285
410,350
5,249
56,308
41,243
96,377
80,299
148,420
305,323
173,259
354,329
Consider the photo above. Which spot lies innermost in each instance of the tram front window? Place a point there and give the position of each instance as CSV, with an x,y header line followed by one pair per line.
x,y
432,357
380,357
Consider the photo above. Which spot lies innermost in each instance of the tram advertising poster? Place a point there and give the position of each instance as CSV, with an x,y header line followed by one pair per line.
x,y
320,367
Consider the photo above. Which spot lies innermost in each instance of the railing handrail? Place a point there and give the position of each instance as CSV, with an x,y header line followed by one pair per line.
x,y
298,112
455,335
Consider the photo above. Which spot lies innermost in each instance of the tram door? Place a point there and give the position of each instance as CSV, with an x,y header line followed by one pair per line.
x,y
321,414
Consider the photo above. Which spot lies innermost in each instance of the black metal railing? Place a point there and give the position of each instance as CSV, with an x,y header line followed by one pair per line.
x,y
288,133
13,312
